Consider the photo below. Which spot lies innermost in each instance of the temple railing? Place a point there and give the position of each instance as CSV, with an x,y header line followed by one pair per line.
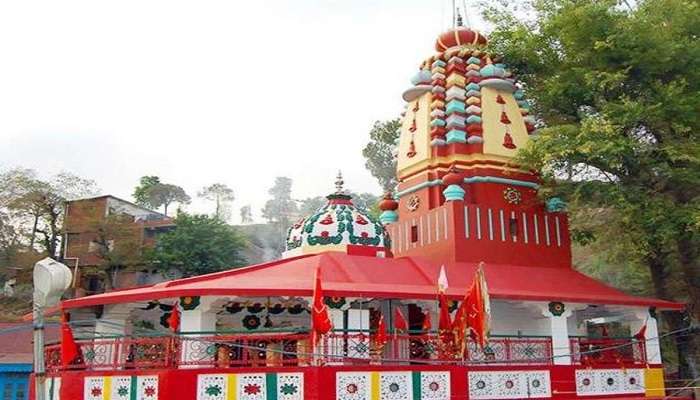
x,y
277,349
607,351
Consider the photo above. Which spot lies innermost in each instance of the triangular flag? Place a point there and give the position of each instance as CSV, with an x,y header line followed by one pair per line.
x,y
380,337
174,318
400,323
319,315
69,348
427,324
641,335
442,280
445,322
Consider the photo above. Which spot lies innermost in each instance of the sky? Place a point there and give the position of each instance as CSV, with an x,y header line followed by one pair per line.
x,y
199,92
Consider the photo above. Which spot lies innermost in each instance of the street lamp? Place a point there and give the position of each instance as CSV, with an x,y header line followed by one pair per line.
x,y
51,279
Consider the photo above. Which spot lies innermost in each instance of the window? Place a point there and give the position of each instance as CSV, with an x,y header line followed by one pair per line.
x,y
414,234
20,394
513,228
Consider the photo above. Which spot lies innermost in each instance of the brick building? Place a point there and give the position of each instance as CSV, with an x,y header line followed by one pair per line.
x,y
108,231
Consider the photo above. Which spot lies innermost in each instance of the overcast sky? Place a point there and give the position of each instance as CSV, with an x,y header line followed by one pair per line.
x,y
199,92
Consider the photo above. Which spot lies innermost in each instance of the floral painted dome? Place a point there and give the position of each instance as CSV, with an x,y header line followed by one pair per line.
x,y
338,226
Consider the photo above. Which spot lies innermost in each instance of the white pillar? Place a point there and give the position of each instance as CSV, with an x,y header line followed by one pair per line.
x,y
201,319
651,336
561,346
109,333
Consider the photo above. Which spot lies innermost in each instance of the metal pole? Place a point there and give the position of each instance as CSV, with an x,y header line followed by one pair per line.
x,y
39,366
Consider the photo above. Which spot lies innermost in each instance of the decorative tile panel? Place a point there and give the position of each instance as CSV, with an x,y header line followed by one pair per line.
x,y
212,387
352,386
595,382
435,385
147,387
251,387
395,386
121,388
93,388
283,386
509,384
290,386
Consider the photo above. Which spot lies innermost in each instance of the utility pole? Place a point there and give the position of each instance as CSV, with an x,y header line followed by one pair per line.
x,y
51,280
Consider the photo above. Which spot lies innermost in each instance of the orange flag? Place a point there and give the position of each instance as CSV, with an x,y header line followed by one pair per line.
x,y
427,324
69,348
474,312
174,318
321,321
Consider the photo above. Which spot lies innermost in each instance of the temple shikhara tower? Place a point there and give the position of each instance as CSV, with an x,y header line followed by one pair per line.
x,y
463,287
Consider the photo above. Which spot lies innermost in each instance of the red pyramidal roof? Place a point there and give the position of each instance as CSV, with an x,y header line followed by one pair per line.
x,y
398,278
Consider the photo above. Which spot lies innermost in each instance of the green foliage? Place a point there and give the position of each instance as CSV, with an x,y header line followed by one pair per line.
x,y
281,207
617,91
365,201
152,193
222,196
246,214
198,245
141,192
379,152
33,207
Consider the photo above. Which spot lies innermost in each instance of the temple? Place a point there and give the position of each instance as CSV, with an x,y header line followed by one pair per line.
x,y
461,202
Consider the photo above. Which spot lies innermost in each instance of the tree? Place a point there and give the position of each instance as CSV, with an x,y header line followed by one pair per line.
x,y
221,195
310,205
280,210
40,203
246,214
153,193
118,244
142,191
198,245
380,154
366,201
617,90
164,194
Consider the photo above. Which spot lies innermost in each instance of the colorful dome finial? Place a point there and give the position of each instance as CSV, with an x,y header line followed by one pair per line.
x,y
339,182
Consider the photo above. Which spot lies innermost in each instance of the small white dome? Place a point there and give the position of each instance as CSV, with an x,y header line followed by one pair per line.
x,y
337,226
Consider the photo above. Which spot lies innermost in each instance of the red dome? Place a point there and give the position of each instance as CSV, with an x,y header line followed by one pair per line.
x,y
388,203
457,37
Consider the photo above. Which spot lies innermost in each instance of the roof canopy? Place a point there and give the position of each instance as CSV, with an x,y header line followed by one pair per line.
x,y
398,278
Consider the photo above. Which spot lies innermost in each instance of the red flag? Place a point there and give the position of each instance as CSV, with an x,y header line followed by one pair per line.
x,y
474,312
445,323
320,319
400,323
69,349
478,308
174,318
427,325
642,333
380,337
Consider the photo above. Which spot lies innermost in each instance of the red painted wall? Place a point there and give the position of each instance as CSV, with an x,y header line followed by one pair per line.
x,y
319,382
